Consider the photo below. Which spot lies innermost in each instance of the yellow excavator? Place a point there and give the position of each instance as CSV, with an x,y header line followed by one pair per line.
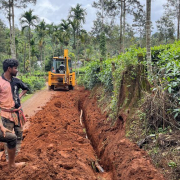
x,y
61,75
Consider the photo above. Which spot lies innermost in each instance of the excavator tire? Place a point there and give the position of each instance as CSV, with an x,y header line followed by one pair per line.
x,y
71,87
51,87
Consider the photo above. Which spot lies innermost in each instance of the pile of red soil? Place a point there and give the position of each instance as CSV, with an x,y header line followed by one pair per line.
x,y
55,145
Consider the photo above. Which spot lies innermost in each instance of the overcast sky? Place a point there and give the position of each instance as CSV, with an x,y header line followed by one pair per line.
x,y
56,10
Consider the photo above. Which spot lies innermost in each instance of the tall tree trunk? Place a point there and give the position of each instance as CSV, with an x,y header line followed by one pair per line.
x,y
44,59
178,20
102,13
140,39
53,46
74,40
77,57
148,36
10,27
41,55
25,58
29,50
121,27
124,24
12,30
13,33
102,36
53,51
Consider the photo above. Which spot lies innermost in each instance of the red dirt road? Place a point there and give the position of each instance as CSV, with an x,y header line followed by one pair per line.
x,y
55,144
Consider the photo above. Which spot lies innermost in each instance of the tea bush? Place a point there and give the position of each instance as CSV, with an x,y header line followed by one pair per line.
x,y
34,82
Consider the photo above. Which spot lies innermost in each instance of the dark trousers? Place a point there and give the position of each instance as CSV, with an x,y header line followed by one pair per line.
x,y
9,138
18,132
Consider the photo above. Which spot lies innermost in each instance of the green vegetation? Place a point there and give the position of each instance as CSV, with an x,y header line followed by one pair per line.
x,y
26,97
166,70
35,81
156,111
172,164
107,58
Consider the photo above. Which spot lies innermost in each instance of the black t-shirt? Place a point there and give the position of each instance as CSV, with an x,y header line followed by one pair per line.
x,y
16,84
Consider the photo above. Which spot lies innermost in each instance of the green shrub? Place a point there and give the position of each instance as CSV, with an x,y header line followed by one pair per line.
x,y
90,78
33,82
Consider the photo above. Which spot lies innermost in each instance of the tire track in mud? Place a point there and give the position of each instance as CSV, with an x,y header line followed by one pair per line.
x,y
55,145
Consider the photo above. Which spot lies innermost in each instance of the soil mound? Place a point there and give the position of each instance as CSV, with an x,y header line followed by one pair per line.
x,y
55,145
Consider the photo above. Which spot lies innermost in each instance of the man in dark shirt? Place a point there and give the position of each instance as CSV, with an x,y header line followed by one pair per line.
x,y
11,112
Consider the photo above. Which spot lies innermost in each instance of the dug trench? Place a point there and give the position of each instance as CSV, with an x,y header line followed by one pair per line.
x,y
69,138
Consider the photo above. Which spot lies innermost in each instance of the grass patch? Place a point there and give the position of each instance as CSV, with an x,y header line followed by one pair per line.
x,y
28,96
43,87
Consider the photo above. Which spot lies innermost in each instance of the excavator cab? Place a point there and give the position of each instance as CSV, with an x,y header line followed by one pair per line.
x,y
61,75
58,64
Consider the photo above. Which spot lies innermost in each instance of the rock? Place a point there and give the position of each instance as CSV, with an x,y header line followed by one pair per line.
x,y
64,154
146,140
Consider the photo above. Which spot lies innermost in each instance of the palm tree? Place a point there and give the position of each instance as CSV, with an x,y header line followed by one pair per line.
x,y
34,51
73,25
52,31
77,16
8,7
41,32
64,27
27,21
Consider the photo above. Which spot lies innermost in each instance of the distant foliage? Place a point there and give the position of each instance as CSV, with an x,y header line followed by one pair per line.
x,y
35,81
38,73
95,74
103,45
105,75
91,76
166,73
